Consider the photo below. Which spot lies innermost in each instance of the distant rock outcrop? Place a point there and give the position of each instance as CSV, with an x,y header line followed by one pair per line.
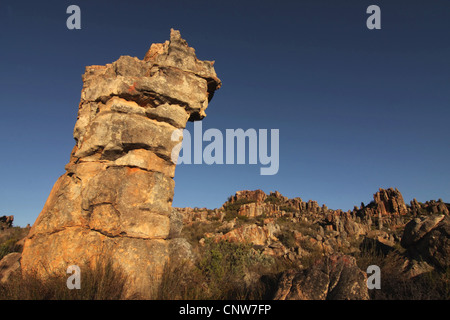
x,y
6,222
116,195
248,196
292,228
428,207
250,233
389,202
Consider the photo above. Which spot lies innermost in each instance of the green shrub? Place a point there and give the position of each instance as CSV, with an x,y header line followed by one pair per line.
x,y
196,231
243,218
226,270
287,209
284,221
234,207
226,267
7,247
224,258
182,281
272,199
314,255
287,238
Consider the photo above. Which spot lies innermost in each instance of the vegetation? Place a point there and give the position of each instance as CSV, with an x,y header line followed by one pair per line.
x,y
272,199
197,231
102,281
9,239
240,271
232,208
287,208
396,285
225,270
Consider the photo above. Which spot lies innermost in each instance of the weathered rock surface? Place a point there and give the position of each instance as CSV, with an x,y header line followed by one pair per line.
x,y
248,196
116,195
390,201
388,207
333,278
428,207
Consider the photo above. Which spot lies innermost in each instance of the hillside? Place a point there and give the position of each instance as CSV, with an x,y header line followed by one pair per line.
x,y
259,246
407,241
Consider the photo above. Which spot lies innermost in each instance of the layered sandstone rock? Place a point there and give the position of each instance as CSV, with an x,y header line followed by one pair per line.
x,y
390,201
428,207
251,233
386,203
116,195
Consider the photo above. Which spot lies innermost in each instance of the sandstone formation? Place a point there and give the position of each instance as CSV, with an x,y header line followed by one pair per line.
x,y
11,238
116,194
324,250
390,201
332,228
251,233
323,243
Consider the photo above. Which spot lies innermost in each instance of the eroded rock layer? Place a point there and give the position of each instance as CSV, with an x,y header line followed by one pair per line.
x,y
115,198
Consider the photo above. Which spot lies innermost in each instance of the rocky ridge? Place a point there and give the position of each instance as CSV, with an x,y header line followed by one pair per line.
x,y
322,247
309,235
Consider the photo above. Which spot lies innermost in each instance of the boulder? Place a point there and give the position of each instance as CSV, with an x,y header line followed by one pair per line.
x,y
248,196
250,233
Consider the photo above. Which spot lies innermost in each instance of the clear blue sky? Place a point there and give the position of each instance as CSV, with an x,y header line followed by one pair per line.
x,y
357,109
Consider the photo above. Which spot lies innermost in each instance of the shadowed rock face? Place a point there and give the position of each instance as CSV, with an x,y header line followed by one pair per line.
x,y
116,195
6,222
334,278
428,239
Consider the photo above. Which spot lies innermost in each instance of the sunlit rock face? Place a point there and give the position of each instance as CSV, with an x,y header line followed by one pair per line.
x,y
115,198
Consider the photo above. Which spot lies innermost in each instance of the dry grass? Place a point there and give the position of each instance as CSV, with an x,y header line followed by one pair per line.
x,y
103,281
397,285
9,240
